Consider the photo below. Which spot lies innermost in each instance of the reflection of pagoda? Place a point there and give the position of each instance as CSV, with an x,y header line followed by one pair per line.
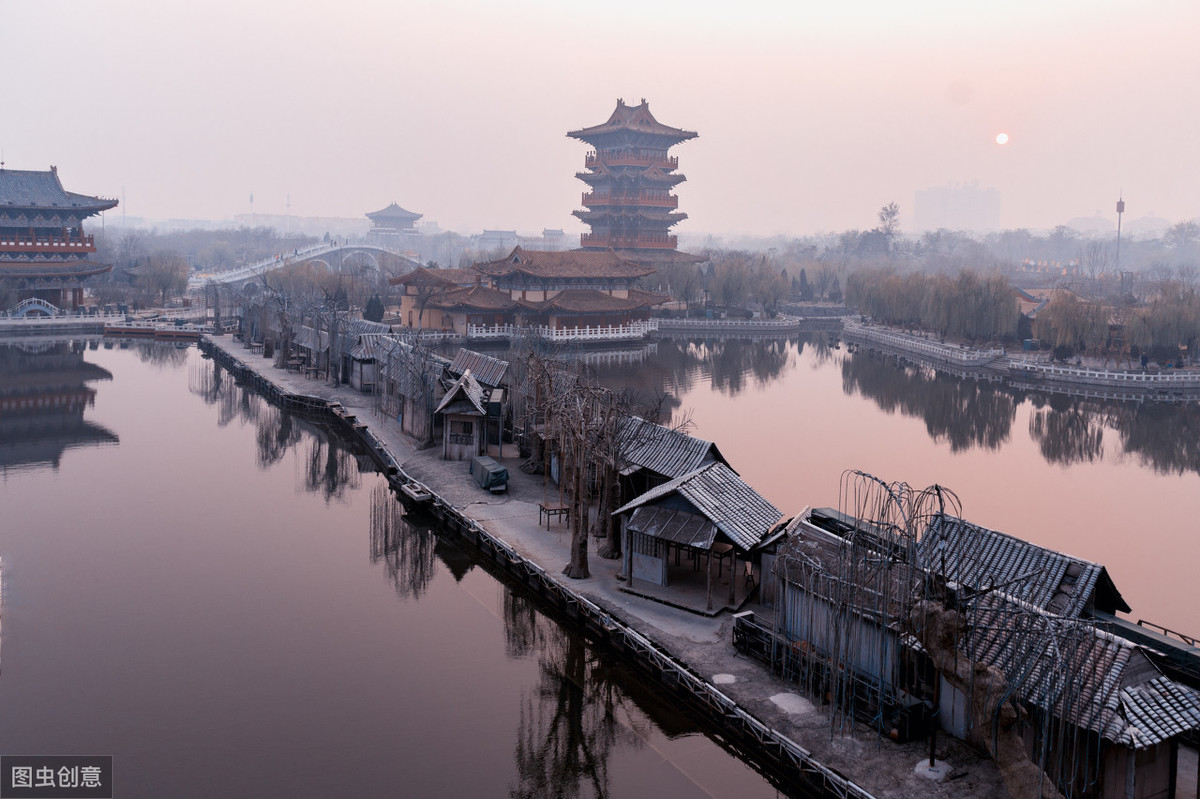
x,y
43,395
630,207
393,227
43,250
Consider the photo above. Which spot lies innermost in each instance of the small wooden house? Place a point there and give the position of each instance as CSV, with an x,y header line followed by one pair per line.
x,y
705,522
463,410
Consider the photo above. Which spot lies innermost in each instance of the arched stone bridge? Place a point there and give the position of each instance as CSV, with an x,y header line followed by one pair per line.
x,y
337,257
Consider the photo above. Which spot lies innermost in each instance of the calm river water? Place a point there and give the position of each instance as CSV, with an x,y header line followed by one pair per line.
x,y
218,596
1115,483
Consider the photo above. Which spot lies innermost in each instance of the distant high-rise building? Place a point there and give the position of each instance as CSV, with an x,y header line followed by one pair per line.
x,y
43,249
630,207
964,206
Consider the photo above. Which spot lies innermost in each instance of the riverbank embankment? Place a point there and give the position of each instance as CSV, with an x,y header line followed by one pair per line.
x,y
1090,377
756,712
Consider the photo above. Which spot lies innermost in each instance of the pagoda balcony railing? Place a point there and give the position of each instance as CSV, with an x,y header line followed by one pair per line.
x,y
642,199
26,243
639,241
629,331
628,158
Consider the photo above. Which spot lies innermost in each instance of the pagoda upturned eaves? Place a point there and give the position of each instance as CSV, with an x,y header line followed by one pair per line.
x,y
43,249
630,207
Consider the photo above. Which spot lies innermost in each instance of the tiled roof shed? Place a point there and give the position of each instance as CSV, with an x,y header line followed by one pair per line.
x,y
664,451
716,492
487,370
1085,676
464,397
979,558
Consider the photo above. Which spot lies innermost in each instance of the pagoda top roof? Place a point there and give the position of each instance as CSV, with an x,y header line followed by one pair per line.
x,y
635,119
564,263
393,211
21,188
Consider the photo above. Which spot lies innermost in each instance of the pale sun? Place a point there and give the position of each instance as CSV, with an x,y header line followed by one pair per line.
x,y
1001,138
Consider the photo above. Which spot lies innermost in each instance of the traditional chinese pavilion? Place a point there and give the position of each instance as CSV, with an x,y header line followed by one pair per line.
x,y
559,291
630,207
392,226
43,249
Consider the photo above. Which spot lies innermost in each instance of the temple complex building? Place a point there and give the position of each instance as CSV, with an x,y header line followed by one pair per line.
x,y
43,249
630,173
392,227
554,291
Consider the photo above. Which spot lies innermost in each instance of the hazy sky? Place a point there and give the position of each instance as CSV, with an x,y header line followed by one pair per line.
x,y
811,115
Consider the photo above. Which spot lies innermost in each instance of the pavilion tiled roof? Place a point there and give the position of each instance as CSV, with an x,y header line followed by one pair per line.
x,y
32,189
600,264
594,301
35,269
479,298
635,118
393,211
725,499
424,276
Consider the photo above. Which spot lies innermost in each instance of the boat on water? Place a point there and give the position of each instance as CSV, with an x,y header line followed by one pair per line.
x,y
154,329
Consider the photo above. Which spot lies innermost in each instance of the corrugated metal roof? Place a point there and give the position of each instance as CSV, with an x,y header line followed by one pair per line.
x,y
716,491
487,370
664,451
980,558
674,525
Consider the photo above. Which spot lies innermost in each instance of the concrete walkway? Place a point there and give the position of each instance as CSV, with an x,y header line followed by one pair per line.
x,y
703,643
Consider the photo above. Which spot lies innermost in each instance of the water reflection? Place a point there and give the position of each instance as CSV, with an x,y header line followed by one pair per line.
x,y
1067,433
329,467
963,413
568,725
1165,438
44,393
408,552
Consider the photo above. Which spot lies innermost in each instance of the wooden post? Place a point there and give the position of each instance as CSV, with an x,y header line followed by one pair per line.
x,y
710,578
733,564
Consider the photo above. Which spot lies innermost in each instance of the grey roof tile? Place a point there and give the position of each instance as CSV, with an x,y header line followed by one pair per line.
x,y
716,491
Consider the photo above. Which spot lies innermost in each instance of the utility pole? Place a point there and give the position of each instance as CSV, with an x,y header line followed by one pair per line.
x,y
1120,210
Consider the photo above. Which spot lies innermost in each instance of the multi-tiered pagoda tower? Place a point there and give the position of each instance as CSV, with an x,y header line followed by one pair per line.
x,y
43,249
630,207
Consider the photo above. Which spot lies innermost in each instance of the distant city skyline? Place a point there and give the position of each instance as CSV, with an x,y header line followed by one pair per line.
x,y
810,118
